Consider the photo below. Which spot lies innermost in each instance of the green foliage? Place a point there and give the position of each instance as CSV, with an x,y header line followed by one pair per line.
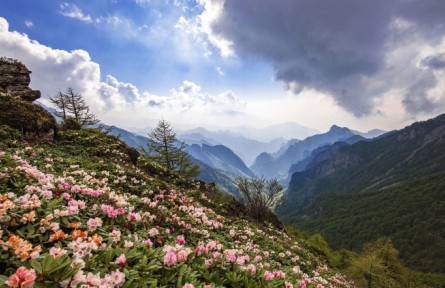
x,y
9,134
413,223
379,266
70,124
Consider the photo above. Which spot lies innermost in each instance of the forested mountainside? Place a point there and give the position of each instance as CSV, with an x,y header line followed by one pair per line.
x,y
390,186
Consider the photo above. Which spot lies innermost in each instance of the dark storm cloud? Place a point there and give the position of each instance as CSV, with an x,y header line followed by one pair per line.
x,y
435,62
337,47
416,98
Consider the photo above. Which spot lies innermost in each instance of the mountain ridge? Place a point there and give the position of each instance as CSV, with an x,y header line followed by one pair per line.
x,y
279,165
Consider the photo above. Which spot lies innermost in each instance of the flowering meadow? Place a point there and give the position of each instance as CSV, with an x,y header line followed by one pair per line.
x,y
78,212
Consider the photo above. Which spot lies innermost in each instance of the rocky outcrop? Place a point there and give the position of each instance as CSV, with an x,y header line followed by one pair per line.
x,y
17,110
15,79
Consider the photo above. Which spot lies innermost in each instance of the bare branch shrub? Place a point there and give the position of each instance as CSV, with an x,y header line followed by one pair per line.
x,y
260,196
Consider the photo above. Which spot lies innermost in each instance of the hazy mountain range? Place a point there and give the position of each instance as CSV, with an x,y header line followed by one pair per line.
x,y
247,149
278,164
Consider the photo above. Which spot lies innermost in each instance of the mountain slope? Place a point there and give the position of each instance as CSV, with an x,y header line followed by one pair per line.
x,y
279,165
211,171
393,184
76,211
321,154
131,139
220,157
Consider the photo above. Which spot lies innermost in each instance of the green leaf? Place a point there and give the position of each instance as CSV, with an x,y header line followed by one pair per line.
x,y
31,230
3,278
37,266
128,284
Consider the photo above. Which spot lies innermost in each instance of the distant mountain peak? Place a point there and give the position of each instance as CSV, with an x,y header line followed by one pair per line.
x,y
335,128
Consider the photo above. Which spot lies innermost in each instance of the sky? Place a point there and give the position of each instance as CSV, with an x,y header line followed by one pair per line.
x,y
226,63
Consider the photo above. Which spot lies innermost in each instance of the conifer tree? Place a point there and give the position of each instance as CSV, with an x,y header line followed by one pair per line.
x,y
61,102
379,266
168,151
73,105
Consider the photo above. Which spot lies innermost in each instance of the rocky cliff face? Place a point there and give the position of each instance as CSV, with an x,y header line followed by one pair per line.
x,y
15,79
17,110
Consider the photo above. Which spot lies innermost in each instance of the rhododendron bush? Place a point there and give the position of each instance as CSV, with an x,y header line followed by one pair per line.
x,y
78,213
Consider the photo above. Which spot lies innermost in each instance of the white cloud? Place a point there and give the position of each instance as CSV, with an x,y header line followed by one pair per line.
x,y
200,27
72,11
4,25
115,102
28,23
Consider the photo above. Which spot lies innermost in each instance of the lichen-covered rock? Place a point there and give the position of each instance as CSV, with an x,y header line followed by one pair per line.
x,y
15,79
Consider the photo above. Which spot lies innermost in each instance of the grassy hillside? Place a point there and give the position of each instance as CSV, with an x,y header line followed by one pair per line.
x,y
81,210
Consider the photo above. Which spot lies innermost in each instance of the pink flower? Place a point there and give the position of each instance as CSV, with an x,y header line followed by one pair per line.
x,y
121,260
288,285
231,257
79,278
23,278
118,277
170,259
134,217
268,275
93,279
208,262
279,274
153,232
320,286
148,243
188,285
116,235
56,252
94,223
251,268
180,239
303,284
182,255
240,260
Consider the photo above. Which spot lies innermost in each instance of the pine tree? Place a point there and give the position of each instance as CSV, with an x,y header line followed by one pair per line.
x,y
166,150
79,109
